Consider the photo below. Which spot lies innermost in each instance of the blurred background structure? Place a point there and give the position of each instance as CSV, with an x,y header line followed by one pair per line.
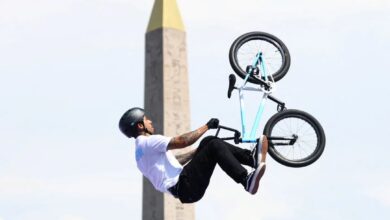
x,y
166,98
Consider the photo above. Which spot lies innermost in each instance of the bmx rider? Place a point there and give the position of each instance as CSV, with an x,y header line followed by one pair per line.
x,y
188,179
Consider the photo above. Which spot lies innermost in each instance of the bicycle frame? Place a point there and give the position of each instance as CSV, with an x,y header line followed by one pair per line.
x,y
251,137
266,89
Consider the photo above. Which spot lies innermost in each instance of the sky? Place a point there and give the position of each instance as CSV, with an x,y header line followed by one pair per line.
x,y
69,69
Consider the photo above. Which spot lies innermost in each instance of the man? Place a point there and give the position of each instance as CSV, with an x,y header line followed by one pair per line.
x,y
188,183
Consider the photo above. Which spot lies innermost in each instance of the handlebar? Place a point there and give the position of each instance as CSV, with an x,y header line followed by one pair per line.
x,y
236,136
232,82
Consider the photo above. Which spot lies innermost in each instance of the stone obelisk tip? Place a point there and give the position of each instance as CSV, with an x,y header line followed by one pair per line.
x,y
165,14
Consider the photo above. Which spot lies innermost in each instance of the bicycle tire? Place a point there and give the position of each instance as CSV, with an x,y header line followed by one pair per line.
x,y
279,124
271,40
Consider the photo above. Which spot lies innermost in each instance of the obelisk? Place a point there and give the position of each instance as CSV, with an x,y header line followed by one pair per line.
x,y
166,98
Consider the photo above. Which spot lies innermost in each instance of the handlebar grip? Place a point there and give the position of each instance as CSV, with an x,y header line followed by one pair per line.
x,y
232,82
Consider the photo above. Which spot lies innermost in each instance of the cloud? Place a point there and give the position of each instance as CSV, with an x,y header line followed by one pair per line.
x,y
71,217
269,203
231,13
380,192
22,11
25,11
85,187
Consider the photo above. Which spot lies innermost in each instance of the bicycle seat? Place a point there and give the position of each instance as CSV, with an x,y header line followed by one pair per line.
x,y
232,82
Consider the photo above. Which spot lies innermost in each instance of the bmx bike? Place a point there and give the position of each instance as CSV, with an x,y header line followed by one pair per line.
x,y
296,138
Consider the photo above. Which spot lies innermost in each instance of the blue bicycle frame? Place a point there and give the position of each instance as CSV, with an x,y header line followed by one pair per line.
x,y
251,137
266,87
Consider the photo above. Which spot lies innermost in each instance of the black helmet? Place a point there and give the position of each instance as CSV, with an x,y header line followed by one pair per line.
x,y
129,120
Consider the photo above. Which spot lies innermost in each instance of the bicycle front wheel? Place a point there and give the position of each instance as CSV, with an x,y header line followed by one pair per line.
x,y
296,139
275,55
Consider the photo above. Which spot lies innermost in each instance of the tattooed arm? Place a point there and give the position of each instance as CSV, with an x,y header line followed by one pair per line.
x,y
187,139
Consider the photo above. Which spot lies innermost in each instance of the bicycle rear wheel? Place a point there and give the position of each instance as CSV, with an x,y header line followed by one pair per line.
x,y
275,55
296,139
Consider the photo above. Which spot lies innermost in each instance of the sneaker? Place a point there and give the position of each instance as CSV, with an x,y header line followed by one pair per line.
x,y
253,179
257,151
255,156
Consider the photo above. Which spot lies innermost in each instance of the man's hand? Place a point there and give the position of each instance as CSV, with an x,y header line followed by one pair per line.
x,y
213,123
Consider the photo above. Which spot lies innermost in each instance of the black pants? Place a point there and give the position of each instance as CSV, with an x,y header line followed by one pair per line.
x,y
195,177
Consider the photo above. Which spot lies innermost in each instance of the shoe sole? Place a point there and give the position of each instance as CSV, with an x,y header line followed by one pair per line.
x,y
259,151
254,187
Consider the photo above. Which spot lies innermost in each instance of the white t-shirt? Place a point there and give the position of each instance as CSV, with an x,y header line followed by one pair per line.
x,y
156,163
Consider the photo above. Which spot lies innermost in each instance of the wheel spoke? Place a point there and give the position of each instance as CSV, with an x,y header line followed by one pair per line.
x,y
272,56
305,145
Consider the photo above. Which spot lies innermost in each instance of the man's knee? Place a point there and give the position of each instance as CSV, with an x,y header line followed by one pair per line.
x,y
206,140
216,144
208,143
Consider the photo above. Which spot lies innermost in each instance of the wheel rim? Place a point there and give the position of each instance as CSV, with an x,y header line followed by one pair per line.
x,y
272,54
305,145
